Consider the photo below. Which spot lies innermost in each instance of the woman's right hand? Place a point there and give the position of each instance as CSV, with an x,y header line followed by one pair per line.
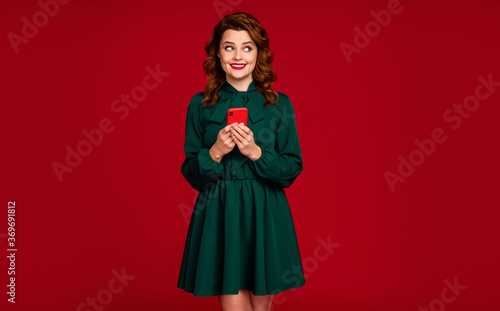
x,y
224,144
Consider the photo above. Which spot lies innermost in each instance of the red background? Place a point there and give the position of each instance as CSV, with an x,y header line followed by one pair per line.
x,y
124,205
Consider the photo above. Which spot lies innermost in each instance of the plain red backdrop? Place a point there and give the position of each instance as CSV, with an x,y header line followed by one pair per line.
x,y
126,205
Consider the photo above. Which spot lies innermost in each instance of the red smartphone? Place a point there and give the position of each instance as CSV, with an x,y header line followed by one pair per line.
x,y
238,115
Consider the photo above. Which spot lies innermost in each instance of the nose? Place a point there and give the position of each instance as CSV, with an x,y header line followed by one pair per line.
x,y
237,54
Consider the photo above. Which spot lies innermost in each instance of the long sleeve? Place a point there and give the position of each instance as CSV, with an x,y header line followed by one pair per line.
x,y
199,169
281,163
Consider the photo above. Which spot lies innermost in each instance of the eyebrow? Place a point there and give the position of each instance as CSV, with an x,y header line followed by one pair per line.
x,y
242,43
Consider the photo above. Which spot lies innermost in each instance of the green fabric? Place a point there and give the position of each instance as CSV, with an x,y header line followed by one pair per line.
x,y
241,234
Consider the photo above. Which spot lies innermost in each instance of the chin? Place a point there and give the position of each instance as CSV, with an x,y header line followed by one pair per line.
x,y
240,77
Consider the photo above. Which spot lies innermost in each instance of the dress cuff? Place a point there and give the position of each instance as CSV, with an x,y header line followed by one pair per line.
x,y
208,166
265,150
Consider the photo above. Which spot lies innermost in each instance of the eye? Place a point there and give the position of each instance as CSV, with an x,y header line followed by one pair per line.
x,y
230,48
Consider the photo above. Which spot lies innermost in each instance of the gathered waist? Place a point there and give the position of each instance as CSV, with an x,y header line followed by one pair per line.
x,y
239,179
225,181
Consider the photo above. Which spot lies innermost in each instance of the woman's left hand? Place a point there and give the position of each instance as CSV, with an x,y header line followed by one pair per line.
x,y
243,137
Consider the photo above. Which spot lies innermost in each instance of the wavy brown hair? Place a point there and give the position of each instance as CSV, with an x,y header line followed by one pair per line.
x,y
263,74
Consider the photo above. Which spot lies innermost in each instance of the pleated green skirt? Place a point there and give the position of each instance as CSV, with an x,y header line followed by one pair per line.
x,y
241,236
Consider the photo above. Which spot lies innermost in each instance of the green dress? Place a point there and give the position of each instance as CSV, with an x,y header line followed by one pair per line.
x,y
241,234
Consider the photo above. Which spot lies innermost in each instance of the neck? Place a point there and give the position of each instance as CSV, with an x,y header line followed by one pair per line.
x,y
240,84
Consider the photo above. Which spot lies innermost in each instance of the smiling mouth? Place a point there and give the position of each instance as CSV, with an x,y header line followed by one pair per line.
x,y
238,66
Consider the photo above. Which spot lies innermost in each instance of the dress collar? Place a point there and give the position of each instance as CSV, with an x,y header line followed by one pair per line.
x,y
232,98
231,89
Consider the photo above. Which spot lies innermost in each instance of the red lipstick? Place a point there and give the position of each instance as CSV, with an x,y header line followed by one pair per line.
x,y
239,66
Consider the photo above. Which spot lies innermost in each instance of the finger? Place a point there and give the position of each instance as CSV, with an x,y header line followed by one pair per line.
x,y
245,128
227,140
245,136
228,133
237,142
227,128
239,130
235,133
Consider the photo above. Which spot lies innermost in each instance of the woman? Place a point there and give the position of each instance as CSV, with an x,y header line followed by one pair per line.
x,y
241,243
